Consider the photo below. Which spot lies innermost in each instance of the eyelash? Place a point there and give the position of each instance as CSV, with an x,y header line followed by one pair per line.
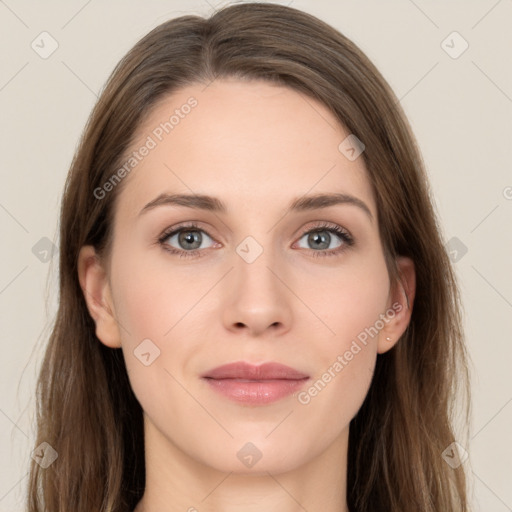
x,y
348,240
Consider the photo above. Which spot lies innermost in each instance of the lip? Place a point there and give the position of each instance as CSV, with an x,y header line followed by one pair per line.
x,y
243,370
250,384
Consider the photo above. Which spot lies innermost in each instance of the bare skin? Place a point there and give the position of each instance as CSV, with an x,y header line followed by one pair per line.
x,y
256,147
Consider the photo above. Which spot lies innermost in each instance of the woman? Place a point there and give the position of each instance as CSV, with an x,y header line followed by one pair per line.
x,y
248,370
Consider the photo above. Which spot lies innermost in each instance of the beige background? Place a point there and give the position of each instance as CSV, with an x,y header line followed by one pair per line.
x,y
460,109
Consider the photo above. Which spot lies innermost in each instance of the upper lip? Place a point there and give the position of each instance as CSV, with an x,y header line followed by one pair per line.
x,y
243,370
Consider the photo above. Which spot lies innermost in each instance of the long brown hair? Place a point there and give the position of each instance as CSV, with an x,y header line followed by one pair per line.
x,y
86,410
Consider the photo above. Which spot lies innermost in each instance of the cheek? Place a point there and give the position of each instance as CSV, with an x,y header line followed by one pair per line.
x,y
352,300
149,300
351,305
155,303
150,306
345,360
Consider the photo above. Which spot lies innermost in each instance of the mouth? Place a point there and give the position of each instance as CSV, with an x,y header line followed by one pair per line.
x,y
248,371
255,385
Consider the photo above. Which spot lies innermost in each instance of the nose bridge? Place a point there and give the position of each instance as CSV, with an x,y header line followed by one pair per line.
x,y
256,296
253,262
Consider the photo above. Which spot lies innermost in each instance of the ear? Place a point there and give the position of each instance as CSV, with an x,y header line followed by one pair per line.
x,y
96,288
400,303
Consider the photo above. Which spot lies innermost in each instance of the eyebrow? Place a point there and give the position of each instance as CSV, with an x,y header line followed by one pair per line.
x,y
213,204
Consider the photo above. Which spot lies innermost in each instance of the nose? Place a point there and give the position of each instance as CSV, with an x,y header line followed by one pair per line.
x,y
257,298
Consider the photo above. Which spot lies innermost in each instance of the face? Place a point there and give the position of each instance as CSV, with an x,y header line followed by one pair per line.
x,y
256,281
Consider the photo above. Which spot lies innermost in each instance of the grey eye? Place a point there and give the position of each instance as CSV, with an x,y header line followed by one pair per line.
x,y
320,240
188,239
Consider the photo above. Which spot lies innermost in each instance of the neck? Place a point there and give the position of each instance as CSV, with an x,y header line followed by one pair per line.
x,y
177,482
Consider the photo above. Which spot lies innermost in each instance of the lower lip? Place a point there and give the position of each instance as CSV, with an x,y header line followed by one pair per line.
x,y
256,392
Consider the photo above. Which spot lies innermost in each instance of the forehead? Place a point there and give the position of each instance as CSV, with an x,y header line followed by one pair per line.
x,y
247,142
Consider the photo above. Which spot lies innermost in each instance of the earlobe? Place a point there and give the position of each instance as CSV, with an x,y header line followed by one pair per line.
x,y
400,305
97,295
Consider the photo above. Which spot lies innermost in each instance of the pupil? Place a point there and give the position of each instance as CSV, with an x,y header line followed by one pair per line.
x,y
188,237
317,239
